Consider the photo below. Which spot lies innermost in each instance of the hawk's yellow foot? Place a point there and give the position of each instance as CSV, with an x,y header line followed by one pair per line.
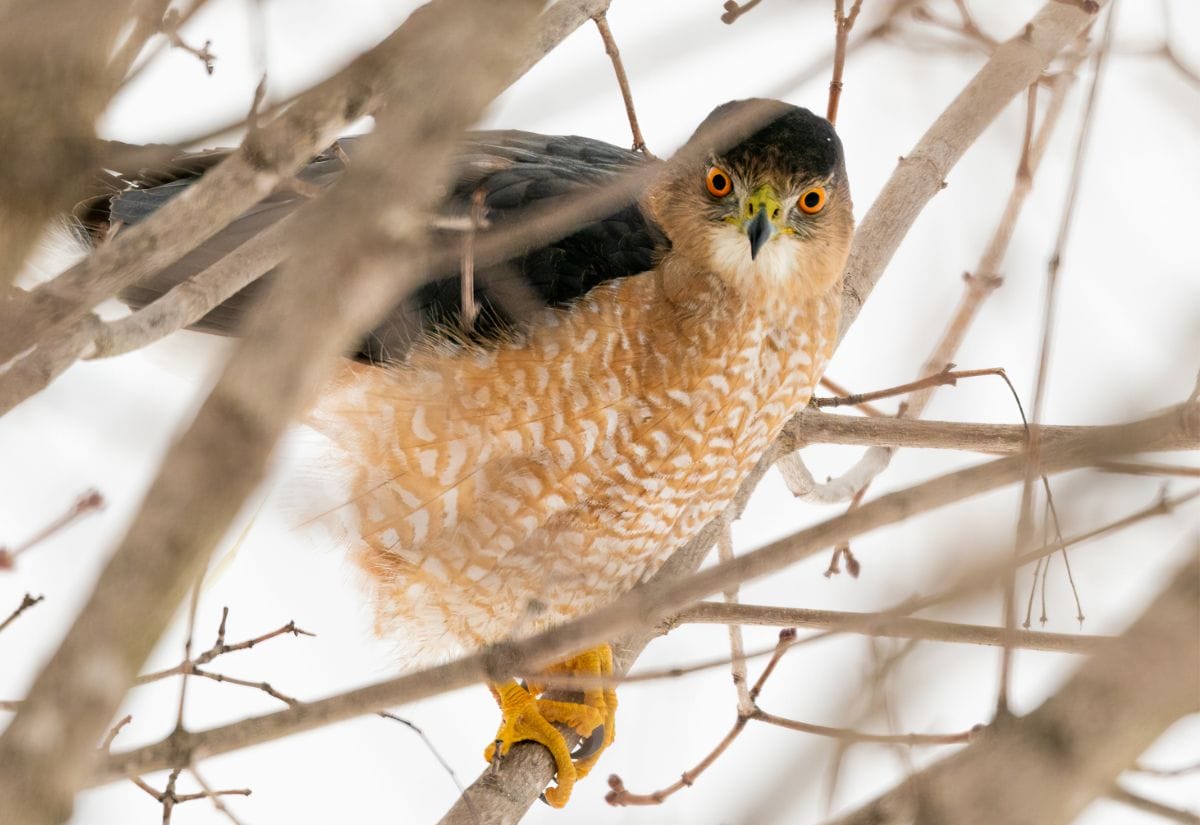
x,y
528,718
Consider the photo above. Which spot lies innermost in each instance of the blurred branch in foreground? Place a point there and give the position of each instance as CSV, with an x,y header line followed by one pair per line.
x,y
290,340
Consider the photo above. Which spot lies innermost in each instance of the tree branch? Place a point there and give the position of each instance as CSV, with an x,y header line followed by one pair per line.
x,y
1047,766
370,230
883,624
638,612
269,155
55,58
528,769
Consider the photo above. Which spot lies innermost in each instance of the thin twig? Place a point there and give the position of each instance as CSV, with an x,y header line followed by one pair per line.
x,y
737,646
106,745
614,54
171,23
193,603
220,648
1025,518
886,624
1144,468
947,377
89,502
849,735
430,746
843,23
657,601
620,796
1140,803
840,390
265,687
215,796
733,11
27,601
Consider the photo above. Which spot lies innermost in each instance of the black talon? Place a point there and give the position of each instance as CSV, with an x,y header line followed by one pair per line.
x,y
589,744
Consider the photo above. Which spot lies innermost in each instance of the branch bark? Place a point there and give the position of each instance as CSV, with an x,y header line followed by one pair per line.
x,y
270,154
371,231
881,624
1047,766
1012,68
638,612
812,427
54,58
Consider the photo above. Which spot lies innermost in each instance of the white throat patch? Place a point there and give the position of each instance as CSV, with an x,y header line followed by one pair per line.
x,y
777,262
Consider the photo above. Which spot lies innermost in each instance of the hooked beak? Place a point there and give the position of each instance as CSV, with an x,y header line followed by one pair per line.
x,y
763,217
758,230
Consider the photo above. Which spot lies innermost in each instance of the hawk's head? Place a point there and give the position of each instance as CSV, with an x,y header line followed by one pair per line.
x,y
759,196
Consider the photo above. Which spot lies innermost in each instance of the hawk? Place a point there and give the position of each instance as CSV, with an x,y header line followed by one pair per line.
x,y
616,387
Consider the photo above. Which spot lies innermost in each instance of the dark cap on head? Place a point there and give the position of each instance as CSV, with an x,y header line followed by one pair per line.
x,y
774,133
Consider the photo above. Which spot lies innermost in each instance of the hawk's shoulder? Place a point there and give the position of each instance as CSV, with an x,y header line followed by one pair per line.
x,y
517,173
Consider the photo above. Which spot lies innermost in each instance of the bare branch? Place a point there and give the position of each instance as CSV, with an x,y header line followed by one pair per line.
x,y
1138,802
843,23
89,502
291,340
614,54
812,427
647,605
733,11
1047,766
57,57
886,624
188,302
269,155
1025,517
848,735
28,601
948,377
737,646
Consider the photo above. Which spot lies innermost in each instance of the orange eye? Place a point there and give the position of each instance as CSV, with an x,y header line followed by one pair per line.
x,y
812,201
719,184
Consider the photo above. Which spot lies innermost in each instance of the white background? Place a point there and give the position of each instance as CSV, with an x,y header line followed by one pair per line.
x,y
1127,342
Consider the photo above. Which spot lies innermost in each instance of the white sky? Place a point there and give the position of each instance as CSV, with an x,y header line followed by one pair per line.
x,y
1127,342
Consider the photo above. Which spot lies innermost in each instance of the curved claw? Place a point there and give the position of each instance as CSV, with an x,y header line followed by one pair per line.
x,y
526,717
589,744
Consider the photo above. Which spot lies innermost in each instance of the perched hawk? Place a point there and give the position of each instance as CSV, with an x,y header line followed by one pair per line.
x,y
618,385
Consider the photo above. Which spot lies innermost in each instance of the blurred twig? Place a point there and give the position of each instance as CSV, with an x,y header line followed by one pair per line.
x,y
1117,793
1111,710
1025,520
88,502
54,58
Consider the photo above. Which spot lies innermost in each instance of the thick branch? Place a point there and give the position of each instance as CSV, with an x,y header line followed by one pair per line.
x,y
640,610
370,230
57,81
1013,67
271,153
